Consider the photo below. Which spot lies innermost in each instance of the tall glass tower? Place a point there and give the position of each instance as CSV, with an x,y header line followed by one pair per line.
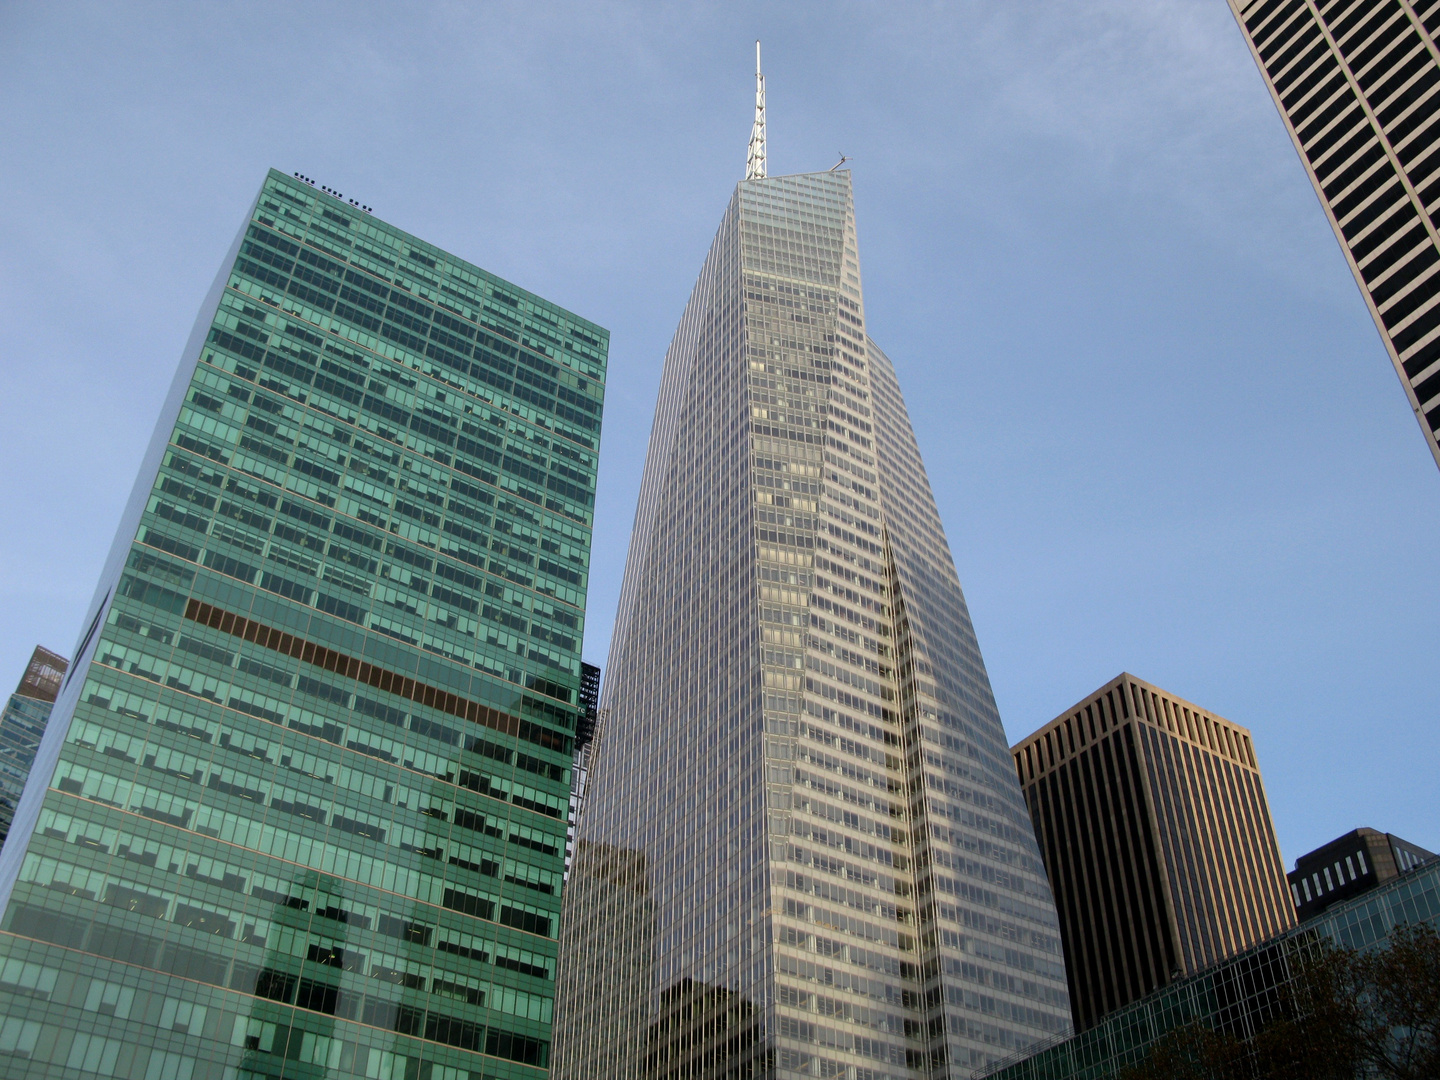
x,y
804,850
300,810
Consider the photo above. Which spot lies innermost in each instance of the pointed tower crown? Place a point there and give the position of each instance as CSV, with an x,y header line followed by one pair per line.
x,y
755,162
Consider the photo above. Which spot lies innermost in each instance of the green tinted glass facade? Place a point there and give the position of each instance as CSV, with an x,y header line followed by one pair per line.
x,y
301,808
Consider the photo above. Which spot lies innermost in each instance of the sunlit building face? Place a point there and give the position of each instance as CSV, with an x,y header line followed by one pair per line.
x,y
804,851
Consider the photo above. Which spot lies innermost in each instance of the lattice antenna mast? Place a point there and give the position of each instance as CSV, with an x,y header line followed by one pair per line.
x,y
755,162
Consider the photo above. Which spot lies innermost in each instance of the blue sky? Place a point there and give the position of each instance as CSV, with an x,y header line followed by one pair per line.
x,y
1158,420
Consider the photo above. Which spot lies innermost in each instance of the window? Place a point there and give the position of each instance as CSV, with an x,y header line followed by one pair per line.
x,y
18,1036
1329,887
91,1053
1349,865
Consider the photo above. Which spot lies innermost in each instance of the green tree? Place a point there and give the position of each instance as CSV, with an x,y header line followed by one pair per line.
x,y
1193,1052
1320,1036
1400,1022
1348,1016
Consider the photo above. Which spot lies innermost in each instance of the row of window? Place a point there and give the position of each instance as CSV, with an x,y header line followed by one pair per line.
x,y
306,216
387,403
1331,884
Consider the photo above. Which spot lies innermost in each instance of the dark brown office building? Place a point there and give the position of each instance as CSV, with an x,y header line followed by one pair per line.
x,y
1348,866
1153,824
1358,84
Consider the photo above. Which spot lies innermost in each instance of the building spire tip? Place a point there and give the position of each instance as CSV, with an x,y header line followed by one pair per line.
x,y
755,160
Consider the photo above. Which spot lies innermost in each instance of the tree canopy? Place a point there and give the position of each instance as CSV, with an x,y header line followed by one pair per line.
x,y
1346,1015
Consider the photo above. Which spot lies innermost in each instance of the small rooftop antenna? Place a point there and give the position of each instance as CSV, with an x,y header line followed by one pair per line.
x,y
755,161
837,164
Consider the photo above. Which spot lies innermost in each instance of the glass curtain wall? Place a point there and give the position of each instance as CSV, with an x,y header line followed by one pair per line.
x,y
301,808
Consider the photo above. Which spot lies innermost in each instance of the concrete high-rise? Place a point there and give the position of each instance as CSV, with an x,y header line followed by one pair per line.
x,y
1157,839
803,850
301,806
22,726
1358,85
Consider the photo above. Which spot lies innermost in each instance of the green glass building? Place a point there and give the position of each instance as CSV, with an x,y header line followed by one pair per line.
x,y
1237,996
300,810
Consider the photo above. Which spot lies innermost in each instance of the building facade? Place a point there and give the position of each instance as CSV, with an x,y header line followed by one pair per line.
x,y
1156,834
1348,866
802,835
1358,85
300,809
22,726
1238,996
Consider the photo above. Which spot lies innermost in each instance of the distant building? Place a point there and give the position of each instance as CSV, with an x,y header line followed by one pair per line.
x,y
589,705
1155,831
43,675
22,725
1348,866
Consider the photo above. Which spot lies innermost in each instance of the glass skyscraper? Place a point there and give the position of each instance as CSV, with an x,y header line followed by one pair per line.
x,y
301,807
804,850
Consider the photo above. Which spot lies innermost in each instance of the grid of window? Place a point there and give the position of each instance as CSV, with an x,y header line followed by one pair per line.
x,y
989,926
674,817
1358,83
790,842
1158,840
308,814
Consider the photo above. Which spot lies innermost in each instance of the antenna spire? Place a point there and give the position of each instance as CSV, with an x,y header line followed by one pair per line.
x,y
755,162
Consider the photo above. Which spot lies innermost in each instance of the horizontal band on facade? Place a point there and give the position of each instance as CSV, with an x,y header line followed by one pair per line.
x,y
268,637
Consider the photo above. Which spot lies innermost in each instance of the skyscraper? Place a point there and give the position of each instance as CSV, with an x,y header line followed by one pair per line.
x,y
803,851
22,725
300,810
1157,837
1358,85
